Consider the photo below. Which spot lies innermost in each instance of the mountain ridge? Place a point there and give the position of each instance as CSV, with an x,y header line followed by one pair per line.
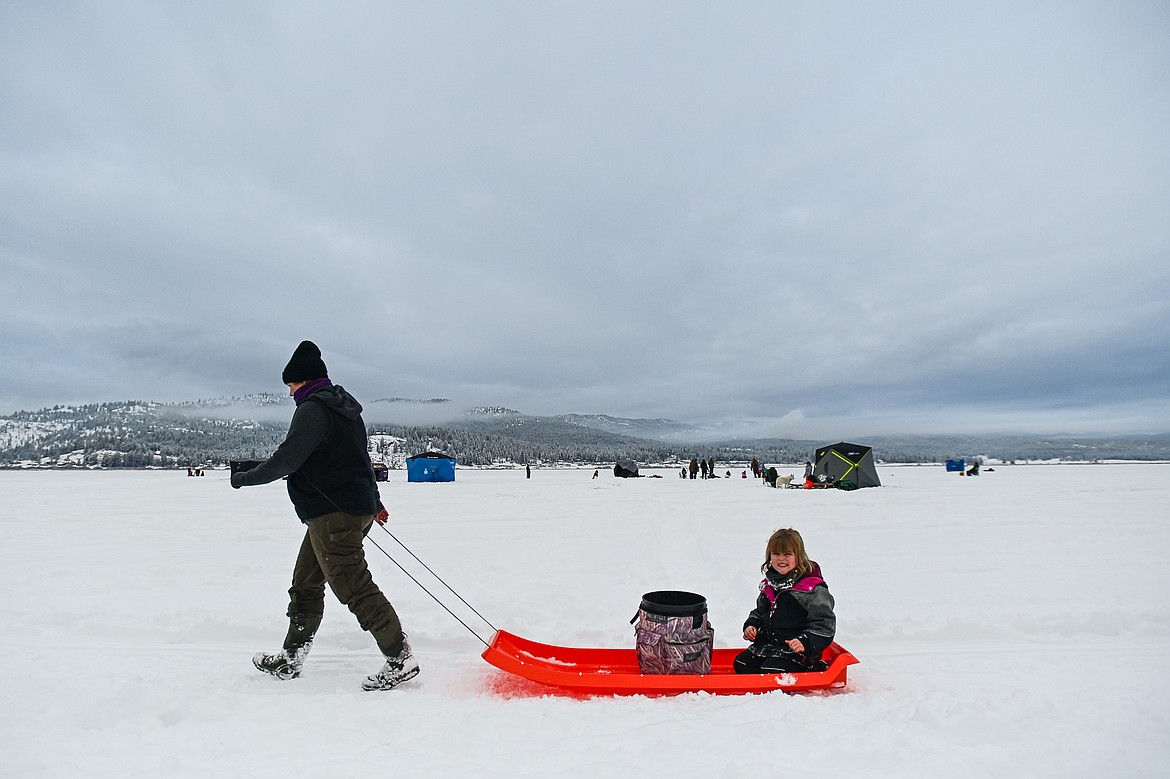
x,y
209,432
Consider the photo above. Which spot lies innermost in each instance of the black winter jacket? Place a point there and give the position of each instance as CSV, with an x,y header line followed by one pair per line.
x,y
324,457
803,609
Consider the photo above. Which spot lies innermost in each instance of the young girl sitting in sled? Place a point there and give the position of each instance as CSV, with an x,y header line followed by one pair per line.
x,y
793,621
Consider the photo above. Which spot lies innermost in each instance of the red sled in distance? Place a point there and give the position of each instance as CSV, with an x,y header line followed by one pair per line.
x,y
584,672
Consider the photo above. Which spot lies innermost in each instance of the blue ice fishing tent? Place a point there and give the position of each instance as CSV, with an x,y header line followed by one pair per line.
x,y
430,466
956,465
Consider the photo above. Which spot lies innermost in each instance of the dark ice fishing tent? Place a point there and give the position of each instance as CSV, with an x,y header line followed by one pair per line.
x,y
848,463
625,469
430,466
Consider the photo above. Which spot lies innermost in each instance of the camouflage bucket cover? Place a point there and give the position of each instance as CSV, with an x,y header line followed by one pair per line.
x,y
672,633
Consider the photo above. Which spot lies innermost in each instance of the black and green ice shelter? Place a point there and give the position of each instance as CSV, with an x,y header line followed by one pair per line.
x,y
846,462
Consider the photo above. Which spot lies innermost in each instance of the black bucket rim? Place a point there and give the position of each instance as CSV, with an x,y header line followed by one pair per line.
x,y
674,603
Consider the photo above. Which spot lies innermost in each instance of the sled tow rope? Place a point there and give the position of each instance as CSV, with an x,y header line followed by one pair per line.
x,y
416,581
428,592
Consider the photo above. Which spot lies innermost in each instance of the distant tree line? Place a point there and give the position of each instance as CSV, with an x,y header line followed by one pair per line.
x,y
136,434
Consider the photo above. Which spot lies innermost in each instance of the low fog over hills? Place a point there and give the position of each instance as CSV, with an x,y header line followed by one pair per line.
x,y
209,433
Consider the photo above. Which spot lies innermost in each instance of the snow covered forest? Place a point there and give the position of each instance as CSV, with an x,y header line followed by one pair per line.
x,y
137,434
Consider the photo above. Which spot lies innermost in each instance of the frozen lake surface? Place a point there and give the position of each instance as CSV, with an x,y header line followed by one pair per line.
x,y
1014,624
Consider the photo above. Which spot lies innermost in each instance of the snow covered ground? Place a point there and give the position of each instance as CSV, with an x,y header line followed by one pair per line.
x,y
1015,624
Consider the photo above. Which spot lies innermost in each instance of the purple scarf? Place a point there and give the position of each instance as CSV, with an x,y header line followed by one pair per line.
x,y
806,583
304,392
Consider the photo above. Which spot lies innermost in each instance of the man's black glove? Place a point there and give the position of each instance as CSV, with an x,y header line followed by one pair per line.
x,y
238,480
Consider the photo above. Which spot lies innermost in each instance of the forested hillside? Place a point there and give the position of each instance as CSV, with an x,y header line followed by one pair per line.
x,y
138,434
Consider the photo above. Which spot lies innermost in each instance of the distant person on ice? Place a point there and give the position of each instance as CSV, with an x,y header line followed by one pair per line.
x,y
332,487
793,621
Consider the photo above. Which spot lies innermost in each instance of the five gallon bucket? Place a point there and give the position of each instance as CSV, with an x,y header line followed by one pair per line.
x,y
672,633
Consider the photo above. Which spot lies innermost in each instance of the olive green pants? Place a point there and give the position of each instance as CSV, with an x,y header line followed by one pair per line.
x,y
332,553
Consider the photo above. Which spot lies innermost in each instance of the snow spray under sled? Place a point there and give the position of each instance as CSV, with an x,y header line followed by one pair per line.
x,y
673,635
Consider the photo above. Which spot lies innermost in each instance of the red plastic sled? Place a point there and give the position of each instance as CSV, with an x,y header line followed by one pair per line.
x,y
615,671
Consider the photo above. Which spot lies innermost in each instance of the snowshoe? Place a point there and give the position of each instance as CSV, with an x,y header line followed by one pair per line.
x,y
399,668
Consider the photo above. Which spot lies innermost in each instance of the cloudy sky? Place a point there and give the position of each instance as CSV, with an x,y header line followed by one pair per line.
x,y
821,218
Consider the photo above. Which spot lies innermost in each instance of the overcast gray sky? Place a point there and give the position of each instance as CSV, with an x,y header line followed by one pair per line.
x,y
825,219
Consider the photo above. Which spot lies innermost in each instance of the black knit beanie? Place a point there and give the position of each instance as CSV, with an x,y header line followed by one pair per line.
x,y
306,364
